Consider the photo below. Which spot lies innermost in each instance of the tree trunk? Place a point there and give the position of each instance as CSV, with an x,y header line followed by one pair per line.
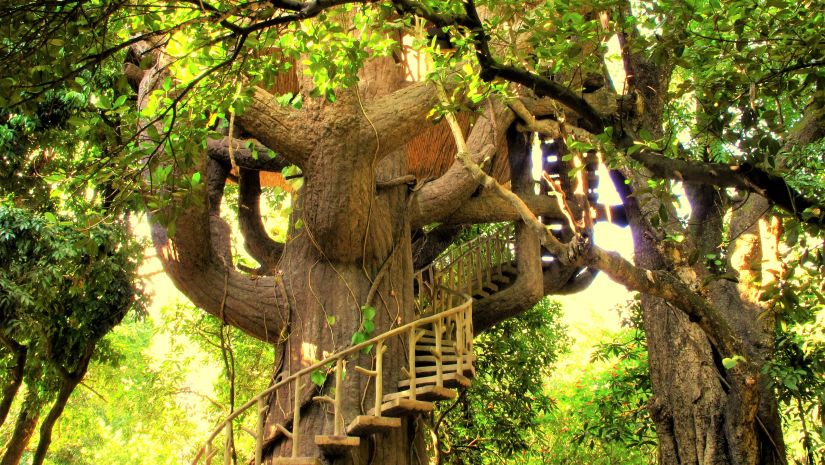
x,y
15,380
703,412
23,430
326,298
68,386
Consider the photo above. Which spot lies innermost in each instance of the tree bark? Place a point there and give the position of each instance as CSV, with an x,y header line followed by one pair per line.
x,y
23,430
16,373
66,389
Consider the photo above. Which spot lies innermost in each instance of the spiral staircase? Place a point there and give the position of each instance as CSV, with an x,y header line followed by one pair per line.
x,y
439,347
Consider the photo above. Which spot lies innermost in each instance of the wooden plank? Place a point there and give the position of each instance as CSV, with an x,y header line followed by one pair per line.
x,y
427,349
451,380
430,341
428,393
297,461
403,407
469,370
444,358
364,425
336,445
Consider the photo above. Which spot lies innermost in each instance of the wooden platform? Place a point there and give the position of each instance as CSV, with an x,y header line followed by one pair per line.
x,y
428,349
402,407
445,358
336,445
426,393
364,425
469,370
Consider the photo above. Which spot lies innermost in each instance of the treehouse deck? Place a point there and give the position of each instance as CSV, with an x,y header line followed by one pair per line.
x,y
439,348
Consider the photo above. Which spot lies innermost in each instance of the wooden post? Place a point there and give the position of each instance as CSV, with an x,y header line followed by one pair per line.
x,y
488,252
479,270
459,340
227,450
439,366
339,386
296,418
411,354
259,432
468,325
379,378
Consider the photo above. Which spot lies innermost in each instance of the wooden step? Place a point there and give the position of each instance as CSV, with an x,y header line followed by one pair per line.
x,y
451,380
297,461
428,349
430,340
446,359
469,369
425,393
402,407
336,445
364,425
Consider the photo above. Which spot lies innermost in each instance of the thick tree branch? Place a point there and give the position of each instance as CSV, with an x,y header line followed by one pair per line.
x,y
427,246
745,176
288,132
256,305
395,127
256,240
437,200
489,207
670,288
218,149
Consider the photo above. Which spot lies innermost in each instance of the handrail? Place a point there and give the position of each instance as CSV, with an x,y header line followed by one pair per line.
x,y
464,278
334,357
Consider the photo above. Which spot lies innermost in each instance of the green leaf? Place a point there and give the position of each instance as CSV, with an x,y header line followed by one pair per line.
x,y
331,320
368,312
368,326
318,377
358,338
299,223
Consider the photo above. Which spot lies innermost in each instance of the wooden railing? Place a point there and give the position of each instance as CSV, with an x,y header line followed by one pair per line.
x,y
467,268
445,289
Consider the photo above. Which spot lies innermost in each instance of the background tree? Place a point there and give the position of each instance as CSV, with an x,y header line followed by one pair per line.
x,y
326,86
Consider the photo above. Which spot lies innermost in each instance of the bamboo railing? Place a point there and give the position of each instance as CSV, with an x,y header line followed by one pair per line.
x,y
445,304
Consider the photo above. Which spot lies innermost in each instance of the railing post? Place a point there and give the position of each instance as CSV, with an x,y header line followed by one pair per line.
x,y
296,418
479,270
411,355
379,378
259,432
439,365
468,325
339,386
459,340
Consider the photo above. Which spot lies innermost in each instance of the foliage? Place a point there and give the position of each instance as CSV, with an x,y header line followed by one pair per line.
x,y
497,417
62,289
616,410
797,369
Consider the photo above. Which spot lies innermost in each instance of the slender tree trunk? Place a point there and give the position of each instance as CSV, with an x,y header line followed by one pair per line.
x,y
23,430
15,380
68,386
